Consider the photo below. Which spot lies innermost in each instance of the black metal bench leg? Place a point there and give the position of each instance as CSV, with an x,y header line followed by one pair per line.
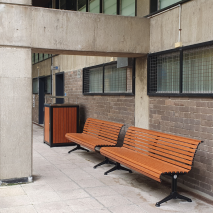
x,y
106,161
174,194
77,148
118,167
183,198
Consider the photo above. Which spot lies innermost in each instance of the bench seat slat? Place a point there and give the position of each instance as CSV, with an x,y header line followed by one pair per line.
x,y
86,140
163,159
150,165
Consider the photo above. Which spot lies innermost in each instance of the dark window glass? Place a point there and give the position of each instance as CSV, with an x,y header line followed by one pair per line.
x,y
94,6
156,5
127,7
36,57
46,56
48,85
33,58
82,5
67,4
35,86
110,7
41,56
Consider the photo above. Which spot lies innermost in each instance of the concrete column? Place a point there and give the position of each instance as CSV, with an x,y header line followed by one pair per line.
x,y
141,97
15,113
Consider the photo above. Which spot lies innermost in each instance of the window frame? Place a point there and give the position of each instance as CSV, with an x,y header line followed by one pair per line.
x,y
112,93
166,8
180,50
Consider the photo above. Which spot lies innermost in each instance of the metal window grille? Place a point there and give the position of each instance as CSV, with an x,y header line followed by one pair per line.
x,y
183,72
164,73
198,70
107,79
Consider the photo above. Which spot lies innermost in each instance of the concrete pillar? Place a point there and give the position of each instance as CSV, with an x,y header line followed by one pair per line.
x,y
15,113
141,97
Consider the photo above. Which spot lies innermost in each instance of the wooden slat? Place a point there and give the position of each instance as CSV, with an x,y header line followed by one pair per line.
x,y
166,139
174,148
152,148
106,122
163,159
164,155
174,137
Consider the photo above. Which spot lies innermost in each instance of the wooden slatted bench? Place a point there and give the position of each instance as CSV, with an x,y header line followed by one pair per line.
x,y
155,154
96,133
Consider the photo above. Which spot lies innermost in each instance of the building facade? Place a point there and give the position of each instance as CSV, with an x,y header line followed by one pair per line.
x,y
168,87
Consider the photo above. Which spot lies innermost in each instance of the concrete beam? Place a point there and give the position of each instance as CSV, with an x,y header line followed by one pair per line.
x,y
73,33
89,34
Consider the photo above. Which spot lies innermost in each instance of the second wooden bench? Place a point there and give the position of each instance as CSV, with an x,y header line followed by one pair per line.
x,y
155,154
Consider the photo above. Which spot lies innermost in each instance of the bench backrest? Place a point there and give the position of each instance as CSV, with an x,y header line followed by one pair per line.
x,y
169,148
105,130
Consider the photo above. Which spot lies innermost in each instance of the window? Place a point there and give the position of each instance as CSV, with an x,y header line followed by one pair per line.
x,y
46,56
94,6
67,5
198,70
41,56
156,5
115,79
82,5
108,79
127,7
188,71
35,85
48,85
96,80
38,57
110,7
33,58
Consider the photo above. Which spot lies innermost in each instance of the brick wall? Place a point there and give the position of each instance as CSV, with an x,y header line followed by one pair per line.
x,y
193,118
119,109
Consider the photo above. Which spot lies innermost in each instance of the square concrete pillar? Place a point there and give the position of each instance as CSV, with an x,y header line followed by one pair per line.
x,y
15,113
141,97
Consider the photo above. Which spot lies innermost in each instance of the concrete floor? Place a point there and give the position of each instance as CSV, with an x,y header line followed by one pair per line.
x,y
68,183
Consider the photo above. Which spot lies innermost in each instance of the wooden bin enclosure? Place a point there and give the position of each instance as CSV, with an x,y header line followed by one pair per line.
x,y
60,119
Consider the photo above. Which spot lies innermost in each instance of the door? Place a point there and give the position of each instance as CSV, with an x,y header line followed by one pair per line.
x,y
41,100
59,90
